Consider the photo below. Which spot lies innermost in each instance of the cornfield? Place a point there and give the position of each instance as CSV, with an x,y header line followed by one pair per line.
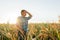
x,y
37,31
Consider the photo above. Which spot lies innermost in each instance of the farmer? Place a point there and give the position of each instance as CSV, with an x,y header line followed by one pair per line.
x,y
22,22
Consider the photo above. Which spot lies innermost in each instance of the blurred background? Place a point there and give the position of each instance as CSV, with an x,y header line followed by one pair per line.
x,y
42,10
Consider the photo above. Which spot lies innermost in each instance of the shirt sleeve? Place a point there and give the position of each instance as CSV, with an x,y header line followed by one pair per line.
x,y
19,22
28,18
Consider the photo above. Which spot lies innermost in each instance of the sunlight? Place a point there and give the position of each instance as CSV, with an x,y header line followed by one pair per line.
x,y
11,18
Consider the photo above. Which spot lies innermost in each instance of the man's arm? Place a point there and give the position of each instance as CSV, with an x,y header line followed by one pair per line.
x,y
19,25
20,29
29,14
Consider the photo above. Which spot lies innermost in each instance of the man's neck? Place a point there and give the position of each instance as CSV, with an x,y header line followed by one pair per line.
x,y
23,16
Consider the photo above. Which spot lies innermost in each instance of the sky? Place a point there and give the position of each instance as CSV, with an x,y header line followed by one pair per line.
x,y
41,10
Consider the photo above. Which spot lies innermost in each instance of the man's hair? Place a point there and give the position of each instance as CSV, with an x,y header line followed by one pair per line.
x,y
22,11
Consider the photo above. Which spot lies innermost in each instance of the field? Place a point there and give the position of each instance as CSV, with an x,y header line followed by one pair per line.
x,y
38,31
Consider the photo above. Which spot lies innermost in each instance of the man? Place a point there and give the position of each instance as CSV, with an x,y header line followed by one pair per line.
x,y
22,22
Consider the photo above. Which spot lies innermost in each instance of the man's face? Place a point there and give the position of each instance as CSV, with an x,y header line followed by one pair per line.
x,y
23,13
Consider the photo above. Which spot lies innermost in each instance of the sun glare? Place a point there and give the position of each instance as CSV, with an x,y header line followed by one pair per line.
x,y
11,18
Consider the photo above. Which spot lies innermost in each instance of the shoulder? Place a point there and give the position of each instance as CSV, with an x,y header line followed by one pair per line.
x,y
27,18
19,17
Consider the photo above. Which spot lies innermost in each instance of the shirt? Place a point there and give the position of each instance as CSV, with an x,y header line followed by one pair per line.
x,y
23,22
